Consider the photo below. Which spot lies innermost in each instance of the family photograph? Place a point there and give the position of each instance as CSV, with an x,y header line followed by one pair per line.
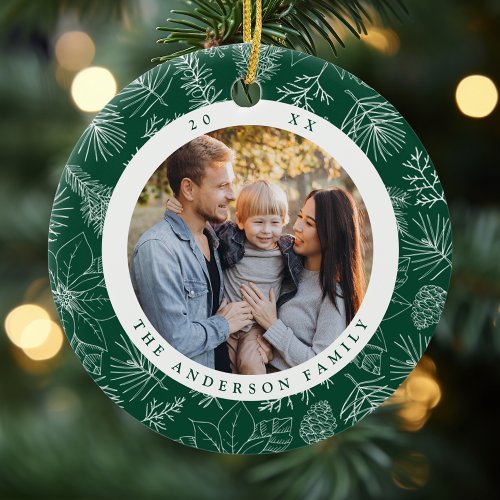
x,y
250,250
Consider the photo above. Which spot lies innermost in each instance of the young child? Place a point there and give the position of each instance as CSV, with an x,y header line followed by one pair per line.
x,y
254,250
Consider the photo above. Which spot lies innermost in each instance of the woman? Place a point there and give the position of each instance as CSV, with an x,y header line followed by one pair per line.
x,y
330,289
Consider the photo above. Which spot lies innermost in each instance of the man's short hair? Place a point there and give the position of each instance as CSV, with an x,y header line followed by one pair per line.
x,y
262,198
193,158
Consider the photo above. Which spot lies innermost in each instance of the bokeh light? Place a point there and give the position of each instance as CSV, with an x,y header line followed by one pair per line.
x,y
417,396
74,50
410,471
476,96
50,347
92,88
35,334
18,325
383,40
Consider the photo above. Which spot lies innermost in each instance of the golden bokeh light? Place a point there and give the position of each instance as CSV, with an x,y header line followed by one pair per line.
x,y
35,333
92,88
476,96
50,347
417,395
384,40
424,390
20,318
74,50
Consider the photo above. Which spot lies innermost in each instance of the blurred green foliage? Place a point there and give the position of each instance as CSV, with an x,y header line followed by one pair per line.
x,y
61,437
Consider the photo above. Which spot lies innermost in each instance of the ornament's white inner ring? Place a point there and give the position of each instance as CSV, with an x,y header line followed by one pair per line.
x,y
385,250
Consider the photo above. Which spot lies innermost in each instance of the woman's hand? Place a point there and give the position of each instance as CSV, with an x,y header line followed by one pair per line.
x,y
263,308
174,205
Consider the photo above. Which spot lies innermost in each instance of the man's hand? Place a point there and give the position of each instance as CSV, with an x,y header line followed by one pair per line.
x,y
237,314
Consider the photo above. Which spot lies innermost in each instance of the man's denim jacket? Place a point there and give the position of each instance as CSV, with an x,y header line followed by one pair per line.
x,y
232,249
169,276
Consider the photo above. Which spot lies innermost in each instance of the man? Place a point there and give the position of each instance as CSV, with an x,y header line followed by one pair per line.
x,y
176,271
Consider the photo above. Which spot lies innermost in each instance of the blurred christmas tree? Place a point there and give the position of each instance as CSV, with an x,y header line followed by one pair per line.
x,y
61,437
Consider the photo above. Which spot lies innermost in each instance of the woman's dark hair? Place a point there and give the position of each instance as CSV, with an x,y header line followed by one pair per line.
x,y
338,226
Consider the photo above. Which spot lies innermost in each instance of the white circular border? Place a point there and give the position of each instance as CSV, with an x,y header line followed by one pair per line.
x,y
384,233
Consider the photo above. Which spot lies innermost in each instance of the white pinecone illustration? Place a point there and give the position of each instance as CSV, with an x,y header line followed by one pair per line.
x,y
428,306
318,423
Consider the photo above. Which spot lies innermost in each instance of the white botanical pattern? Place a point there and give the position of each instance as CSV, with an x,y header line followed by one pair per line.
x,y
147,91
205,399
237,432
105,136
275,405
79,292
370,358
215,51
94,196
269,57
135,373
402,276
198,81
111,392
402,366
423,180
398,306
59,216
297,57
343,74
430,247
152,126
363,399
318,423
428,306
374,125
305,90
400,200
157,411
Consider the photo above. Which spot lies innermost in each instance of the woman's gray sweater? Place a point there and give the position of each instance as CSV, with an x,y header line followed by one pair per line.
x,y
306,325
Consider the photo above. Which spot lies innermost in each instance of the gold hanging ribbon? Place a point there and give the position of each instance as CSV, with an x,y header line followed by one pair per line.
x,y
253,60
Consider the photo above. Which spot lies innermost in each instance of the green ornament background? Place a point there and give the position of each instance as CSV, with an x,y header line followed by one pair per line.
x,y
75,265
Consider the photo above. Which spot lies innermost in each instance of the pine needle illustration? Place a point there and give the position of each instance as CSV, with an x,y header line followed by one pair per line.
x,y
343,73
304,90
363,399
399,200
156,412
424,180
136,374
403,366
58,216
95,197
111,392
432,251
374,125
275,405
152,126
205,399
146,91
199,84
104,136
269,57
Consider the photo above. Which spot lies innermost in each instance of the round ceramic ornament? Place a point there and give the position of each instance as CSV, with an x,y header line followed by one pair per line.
x,y
135,365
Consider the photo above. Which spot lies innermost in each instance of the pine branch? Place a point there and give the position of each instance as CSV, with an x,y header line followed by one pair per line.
x,y
286,23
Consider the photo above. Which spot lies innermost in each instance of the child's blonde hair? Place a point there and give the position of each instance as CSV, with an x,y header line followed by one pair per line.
x,y
262,198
